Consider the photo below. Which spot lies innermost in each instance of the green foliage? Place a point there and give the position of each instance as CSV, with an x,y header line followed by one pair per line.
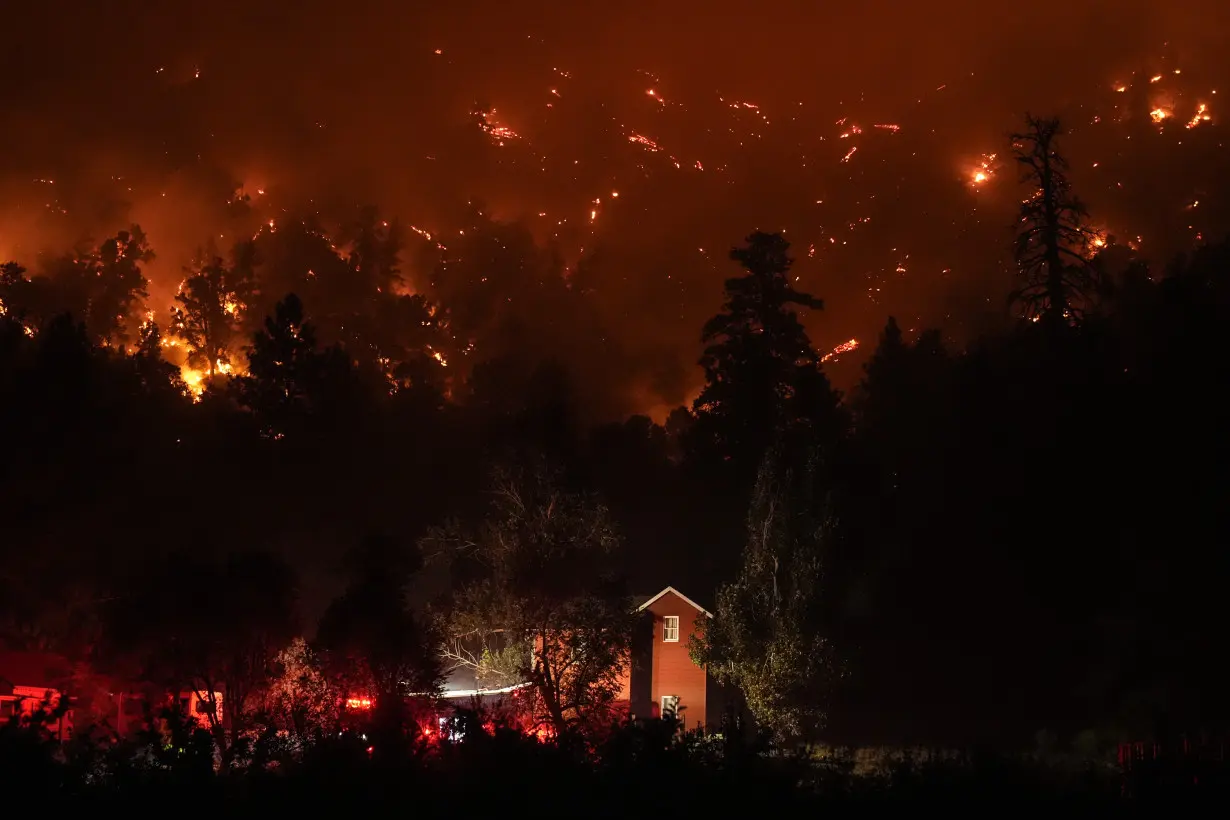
x,y
768,633
536,573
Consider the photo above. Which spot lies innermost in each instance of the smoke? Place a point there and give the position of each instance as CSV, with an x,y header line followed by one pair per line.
x,y
156,113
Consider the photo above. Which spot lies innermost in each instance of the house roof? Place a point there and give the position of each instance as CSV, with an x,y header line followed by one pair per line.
x,y
685,598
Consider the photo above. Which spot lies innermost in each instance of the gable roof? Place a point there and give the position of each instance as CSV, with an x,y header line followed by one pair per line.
x,y
685,599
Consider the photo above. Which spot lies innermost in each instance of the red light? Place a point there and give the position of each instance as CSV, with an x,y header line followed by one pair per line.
x,y
358,703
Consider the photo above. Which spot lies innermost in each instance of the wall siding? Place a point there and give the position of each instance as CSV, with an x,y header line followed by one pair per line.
x,y
674,673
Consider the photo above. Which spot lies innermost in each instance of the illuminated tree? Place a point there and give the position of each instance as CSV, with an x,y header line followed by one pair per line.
x,y
211,304
535,589
767,636
1053,246
762,375
300,698
101,287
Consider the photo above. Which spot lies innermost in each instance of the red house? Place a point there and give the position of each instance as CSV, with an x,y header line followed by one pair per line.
x,y
662,678
30,681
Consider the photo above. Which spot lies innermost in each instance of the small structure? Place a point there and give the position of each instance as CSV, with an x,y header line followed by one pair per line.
x,y
662,678
30,681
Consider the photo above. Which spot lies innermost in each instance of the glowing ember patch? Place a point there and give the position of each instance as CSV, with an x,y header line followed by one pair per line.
x,y
849,154
1159,114
641,139
844,347
358,703
1201,115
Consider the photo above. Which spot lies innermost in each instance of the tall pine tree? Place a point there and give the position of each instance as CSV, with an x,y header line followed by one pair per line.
x,y
763,377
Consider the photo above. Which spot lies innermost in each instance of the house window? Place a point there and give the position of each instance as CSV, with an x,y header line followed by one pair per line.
x,y
670,628
670,706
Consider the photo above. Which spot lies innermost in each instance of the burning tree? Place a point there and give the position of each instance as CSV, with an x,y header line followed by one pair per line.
x,y
100,287
767,636
211,304
536,595
1053,247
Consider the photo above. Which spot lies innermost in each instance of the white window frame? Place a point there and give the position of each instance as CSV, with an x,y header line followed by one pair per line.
x,y
670,629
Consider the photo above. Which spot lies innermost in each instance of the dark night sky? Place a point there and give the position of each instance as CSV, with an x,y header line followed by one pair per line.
x,y
349,103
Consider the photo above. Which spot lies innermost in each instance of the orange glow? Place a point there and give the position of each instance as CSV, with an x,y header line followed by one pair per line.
x,y
358,703
844,347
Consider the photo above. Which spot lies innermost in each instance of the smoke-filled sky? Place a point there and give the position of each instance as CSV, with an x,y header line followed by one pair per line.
x,y
762,115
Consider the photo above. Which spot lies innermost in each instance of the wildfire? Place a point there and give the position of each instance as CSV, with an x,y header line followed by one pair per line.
x,y
844,347
984,171
358,703
1201,115
641,139
1158,115
489,125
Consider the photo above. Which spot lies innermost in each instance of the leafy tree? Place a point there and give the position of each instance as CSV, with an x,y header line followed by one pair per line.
x,y
211,304
1053,246
534,584
101,287
120,284
768,633
300,698
762,375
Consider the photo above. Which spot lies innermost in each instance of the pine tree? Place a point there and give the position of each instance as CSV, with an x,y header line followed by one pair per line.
x,y
1053,246
763,377
288,377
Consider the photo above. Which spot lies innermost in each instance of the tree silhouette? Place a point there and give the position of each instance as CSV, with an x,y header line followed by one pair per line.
x,y
288,377
767,636
535,572
375,245
1053,245
372,645
211,304
762,376
156,373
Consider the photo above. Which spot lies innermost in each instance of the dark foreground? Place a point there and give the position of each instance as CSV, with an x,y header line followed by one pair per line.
x,y
631,770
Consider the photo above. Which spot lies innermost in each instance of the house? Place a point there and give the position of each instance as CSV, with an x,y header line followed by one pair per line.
x,y
30,681
662,678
